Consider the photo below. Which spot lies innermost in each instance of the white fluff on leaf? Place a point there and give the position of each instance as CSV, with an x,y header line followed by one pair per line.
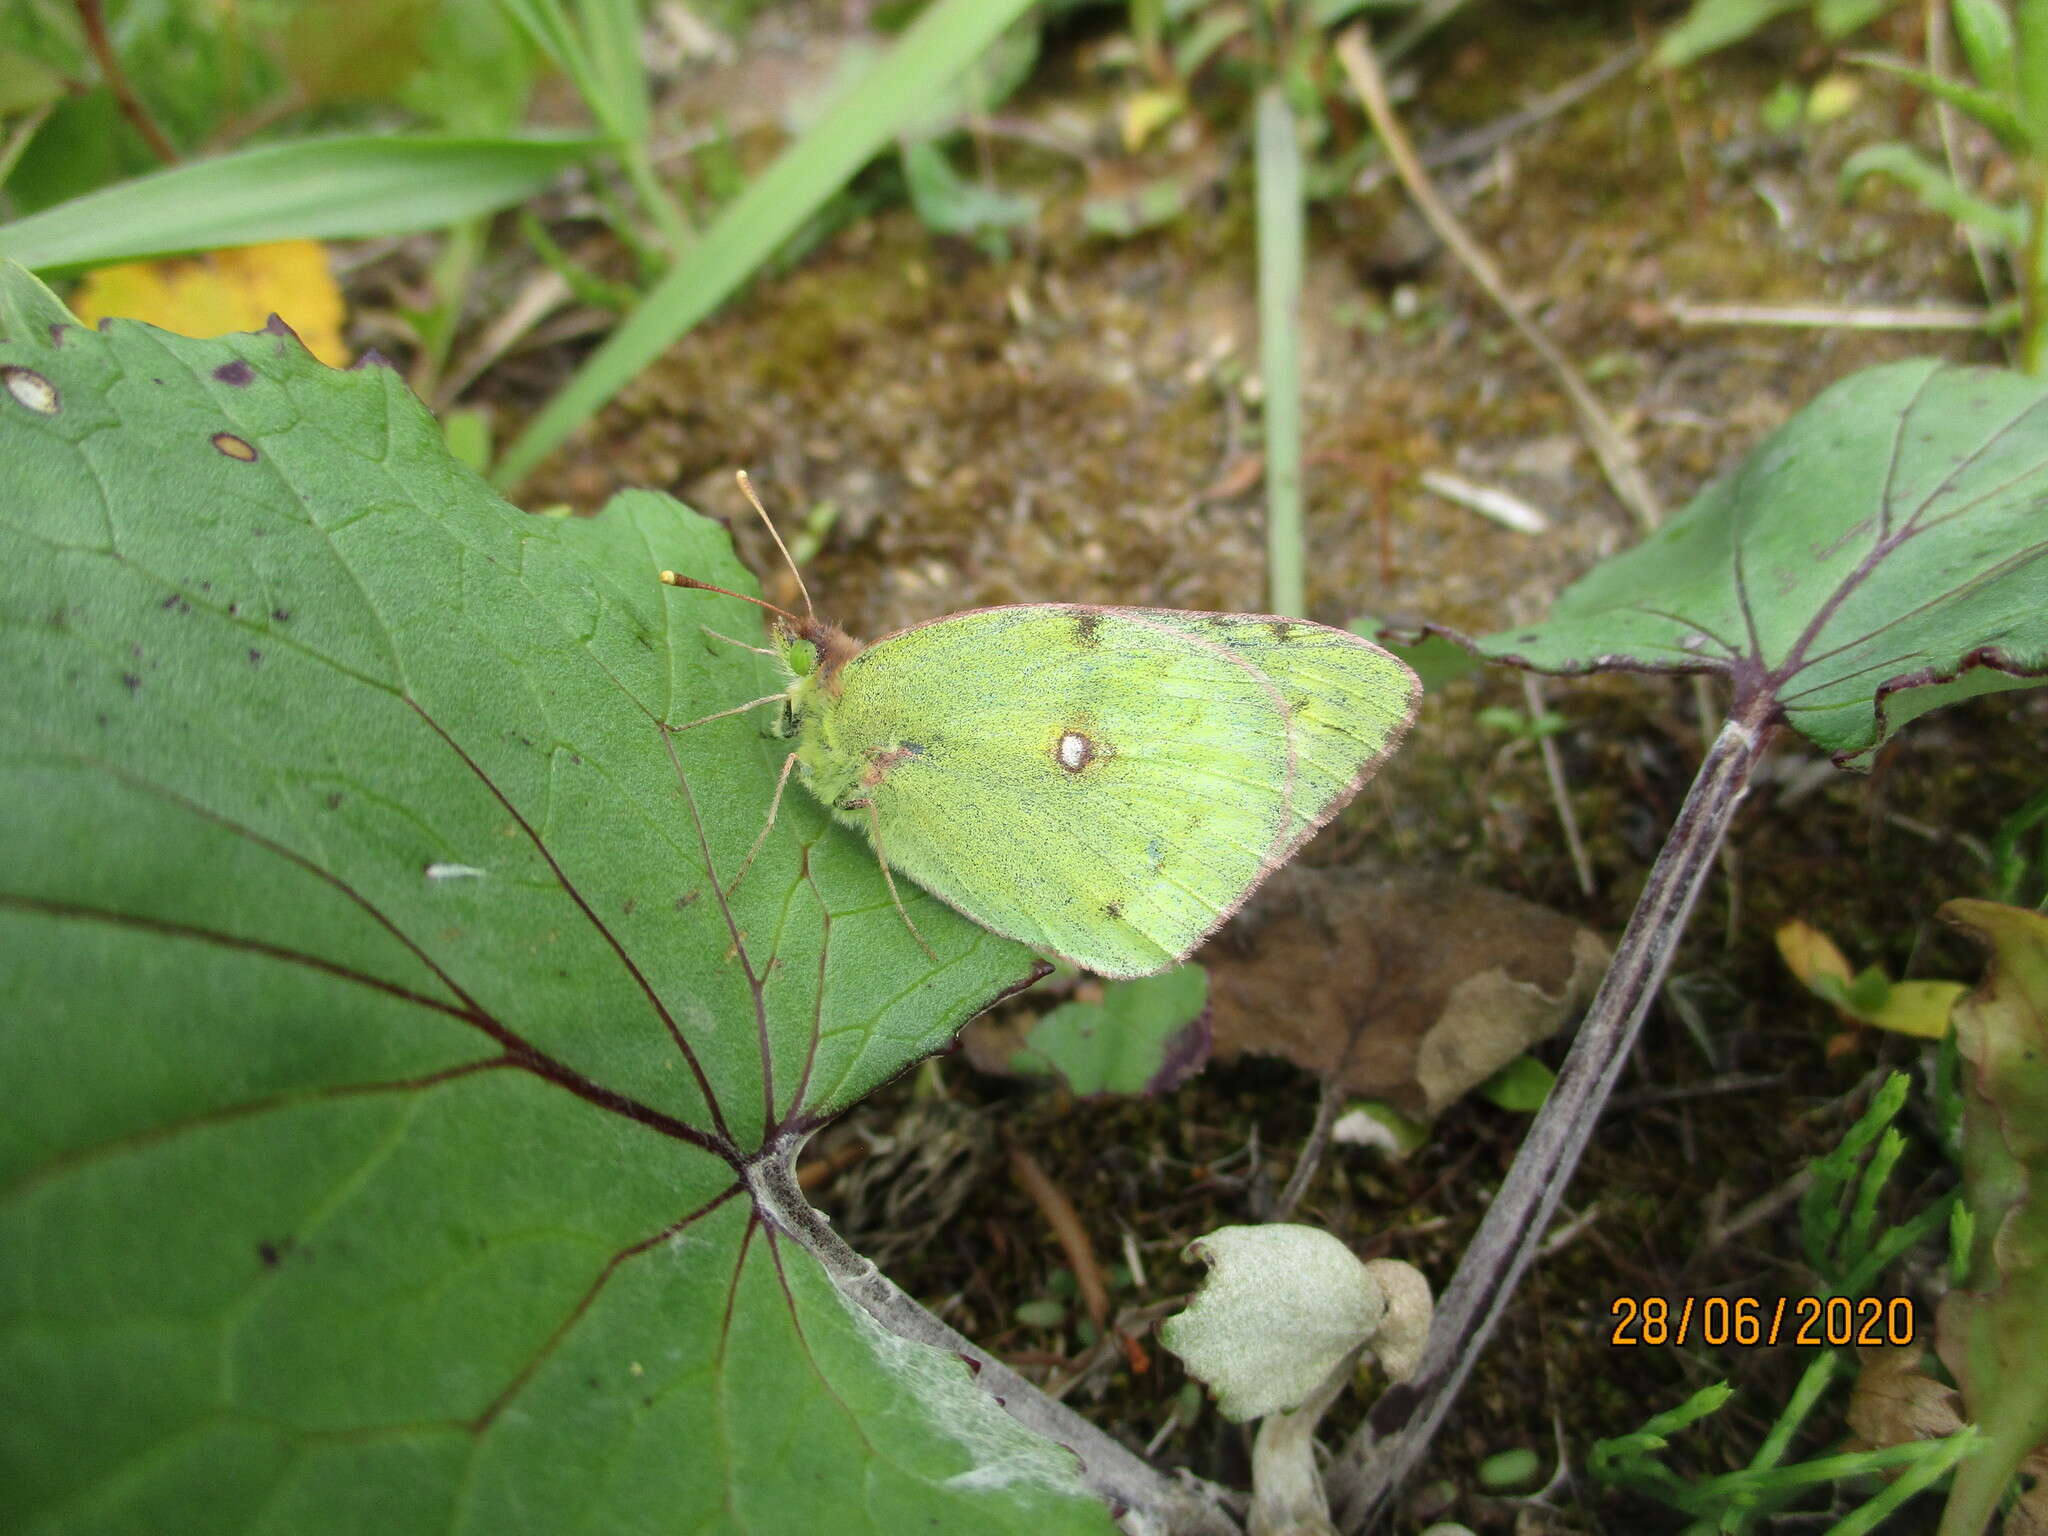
x,y
1282,1305
1276,1330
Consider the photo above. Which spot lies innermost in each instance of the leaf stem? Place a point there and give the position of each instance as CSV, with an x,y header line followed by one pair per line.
x,y
1398,1431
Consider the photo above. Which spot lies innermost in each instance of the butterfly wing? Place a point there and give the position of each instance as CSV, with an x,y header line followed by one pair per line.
x,y
1106,784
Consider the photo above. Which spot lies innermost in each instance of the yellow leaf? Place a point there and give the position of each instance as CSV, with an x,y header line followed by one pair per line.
x,y
1809,953
221,291
1918,1008
1145,114
1831,97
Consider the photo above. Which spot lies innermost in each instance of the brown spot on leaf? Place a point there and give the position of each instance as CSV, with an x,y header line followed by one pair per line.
x,y
282,615
131,682
235,447
255,657
1113,909
236,373
1085,626
32,389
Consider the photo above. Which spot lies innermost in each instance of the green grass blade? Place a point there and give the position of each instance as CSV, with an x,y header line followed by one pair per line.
x,y
2030,70
1281,238
320,189
600,53
900,86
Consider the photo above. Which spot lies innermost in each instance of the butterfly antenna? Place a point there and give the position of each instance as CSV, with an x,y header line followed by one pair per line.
x,y
674,579
747,485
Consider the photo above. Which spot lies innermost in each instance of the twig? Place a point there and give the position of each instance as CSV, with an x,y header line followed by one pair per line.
x,y
1553,770
1617,459
822,1170
1134,1261
1847,317
1065,1221
541,294
1491,503
1667,92
95,23
1563,1237
1680,1093
1311,1153
1761,1209
1428,16
1478,143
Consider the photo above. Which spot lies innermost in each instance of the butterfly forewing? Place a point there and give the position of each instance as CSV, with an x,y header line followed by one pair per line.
x,y
1349,703
1106,784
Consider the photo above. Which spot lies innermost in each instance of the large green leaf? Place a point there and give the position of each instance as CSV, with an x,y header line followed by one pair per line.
x,y
1880,555
399,1119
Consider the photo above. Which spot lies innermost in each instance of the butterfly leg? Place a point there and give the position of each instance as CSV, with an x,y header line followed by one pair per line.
x,y
875,837
774,806
758,650
737,709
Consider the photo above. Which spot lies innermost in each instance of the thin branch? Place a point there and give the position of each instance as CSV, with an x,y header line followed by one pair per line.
x,y
1553,770
1478,143
1617,459
1311,1153
96,39
1842,317
1068,1228
1429,15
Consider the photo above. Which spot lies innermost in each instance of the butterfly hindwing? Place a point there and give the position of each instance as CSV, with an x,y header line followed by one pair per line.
x,y
1107,784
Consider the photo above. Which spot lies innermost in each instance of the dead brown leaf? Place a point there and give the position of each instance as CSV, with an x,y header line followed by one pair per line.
x,y
1896,1403
1410,988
